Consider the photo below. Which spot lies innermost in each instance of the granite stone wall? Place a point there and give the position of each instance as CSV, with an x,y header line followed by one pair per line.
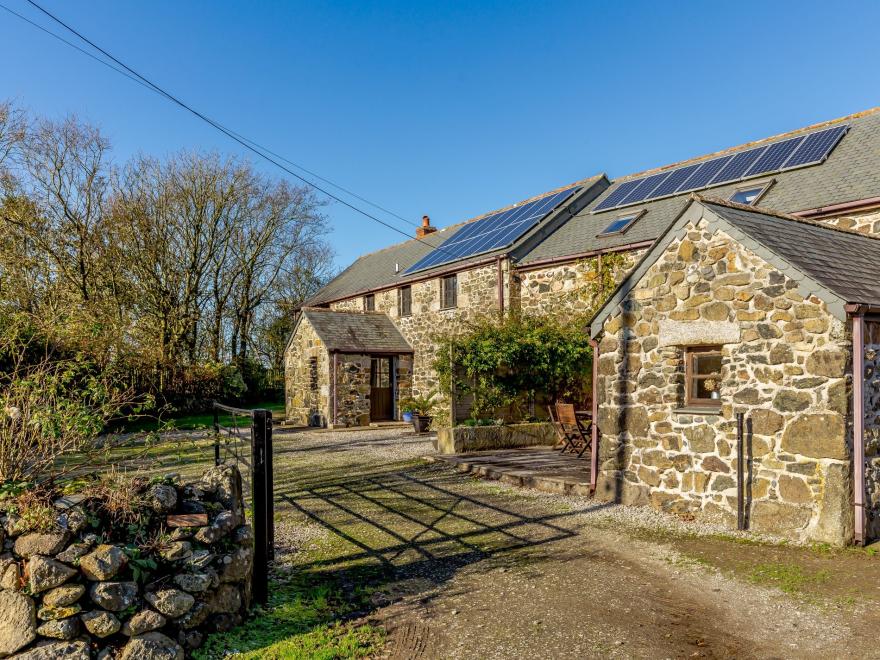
x,y
785,361
864,222
572,286
477,295
77,592
305,359
353,387
352,390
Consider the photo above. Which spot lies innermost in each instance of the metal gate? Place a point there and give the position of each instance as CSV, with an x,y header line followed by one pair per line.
x,y
247,444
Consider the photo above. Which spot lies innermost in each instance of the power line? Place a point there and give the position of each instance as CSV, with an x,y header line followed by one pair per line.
x,y
248,144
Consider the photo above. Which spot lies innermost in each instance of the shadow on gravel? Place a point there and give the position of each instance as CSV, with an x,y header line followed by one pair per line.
x,y
416,529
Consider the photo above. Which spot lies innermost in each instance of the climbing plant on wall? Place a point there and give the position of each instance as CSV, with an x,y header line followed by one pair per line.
x,y
500,360
602,274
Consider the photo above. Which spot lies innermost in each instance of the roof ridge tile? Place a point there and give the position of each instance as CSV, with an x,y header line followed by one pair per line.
x,y
744,145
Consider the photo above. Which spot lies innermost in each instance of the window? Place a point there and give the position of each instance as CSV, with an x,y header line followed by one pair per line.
x,y
749,195
621,223
449,292
404,301
313,374
370,303
703,376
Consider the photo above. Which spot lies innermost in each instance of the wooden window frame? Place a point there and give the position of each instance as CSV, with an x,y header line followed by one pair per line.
x,y
691,353
400,297
370,302
445,302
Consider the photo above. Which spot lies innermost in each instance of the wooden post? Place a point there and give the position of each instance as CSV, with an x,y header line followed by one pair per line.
x,y
451,385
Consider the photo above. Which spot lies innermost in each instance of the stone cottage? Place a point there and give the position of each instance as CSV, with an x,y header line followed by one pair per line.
x,y
828,173
735,310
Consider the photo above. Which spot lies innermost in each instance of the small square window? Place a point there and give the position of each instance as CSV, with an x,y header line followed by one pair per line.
x,y
621,224
703,376
749,195
370,303
449,292
404,301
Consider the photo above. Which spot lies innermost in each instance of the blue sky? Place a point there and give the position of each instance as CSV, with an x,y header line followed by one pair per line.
x,y
451,109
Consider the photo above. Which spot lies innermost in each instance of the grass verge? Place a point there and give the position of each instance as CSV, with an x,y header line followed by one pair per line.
x,y
305,618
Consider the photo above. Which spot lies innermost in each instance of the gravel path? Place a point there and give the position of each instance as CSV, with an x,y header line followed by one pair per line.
x,y
478,569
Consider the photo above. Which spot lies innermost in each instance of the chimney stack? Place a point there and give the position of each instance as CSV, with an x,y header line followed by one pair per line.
x,y
426,228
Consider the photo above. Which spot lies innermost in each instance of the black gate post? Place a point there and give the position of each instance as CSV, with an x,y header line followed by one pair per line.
x,y
258,483
216,436
270,491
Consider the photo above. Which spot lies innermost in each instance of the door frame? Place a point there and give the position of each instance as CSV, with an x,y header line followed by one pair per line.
x,y
392,385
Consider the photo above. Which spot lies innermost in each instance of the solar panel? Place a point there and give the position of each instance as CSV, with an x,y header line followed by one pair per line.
x,y
492,232
816,147
776,154
671,184
794,152
618,194
646,186
705,174
737,166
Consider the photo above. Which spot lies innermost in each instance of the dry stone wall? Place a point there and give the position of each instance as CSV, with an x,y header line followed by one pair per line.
x,y
78,591
307,376
784,365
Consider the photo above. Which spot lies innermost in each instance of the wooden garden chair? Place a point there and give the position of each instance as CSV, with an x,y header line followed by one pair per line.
x,y
561,435
577,436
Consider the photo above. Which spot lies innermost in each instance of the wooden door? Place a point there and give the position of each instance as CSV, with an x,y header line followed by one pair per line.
x,y
381,395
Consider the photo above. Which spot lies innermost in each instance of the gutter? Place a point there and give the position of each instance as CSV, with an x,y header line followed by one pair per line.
x,y
833,209
434,274
534,265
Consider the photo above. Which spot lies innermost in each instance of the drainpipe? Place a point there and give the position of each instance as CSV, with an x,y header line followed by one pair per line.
x,y
500,286
594,427
858,348
333,390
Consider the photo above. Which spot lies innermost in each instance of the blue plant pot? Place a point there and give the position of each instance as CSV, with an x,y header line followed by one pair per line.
x,y
407,417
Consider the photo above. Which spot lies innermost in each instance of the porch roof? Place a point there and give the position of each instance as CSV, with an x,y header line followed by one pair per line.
x,y
356,332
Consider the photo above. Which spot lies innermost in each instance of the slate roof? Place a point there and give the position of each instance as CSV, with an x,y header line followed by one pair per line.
x,y
357,332
851,172
844,262
384,268
838,265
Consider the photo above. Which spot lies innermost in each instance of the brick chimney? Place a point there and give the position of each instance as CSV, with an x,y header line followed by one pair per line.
x,y
426,228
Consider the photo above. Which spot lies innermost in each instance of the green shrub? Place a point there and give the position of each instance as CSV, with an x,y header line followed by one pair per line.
x,y
502,361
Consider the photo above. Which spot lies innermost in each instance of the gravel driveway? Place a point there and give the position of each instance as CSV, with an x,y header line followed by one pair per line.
x,y
475,569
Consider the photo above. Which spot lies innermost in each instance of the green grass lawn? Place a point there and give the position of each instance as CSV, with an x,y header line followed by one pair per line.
x,y
300,622
191,422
